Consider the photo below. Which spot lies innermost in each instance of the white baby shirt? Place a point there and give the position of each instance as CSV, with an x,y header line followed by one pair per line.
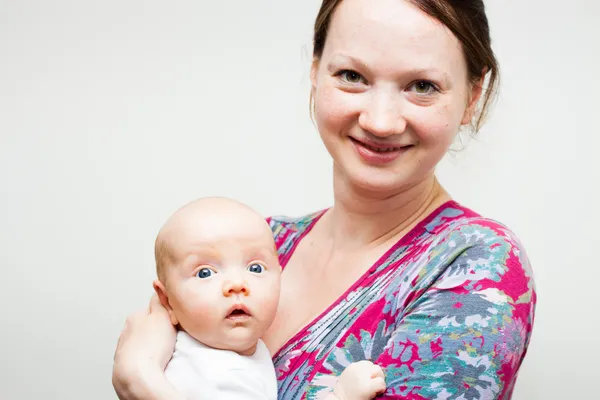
x,y
200,372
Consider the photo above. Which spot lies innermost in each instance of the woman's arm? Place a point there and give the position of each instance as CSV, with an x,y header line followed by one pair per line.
x,y
143,351
150,385
466,334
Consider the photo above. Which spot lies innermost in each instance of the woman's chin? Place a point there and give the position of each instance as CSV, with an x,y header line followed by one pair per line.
x,y
376,183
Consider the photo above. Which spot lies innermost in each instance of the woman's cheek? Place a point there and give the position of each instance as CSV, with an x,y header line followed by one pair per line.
x,y
334,108
435,126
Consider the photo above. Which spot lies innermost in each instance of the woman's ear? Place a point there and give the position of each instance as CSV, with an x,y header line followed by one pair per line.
x,y
476,88
161,291
314,71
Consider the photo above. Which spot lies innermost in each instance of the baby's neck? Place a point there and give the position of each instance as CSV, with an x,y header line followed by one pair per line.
x,y
249,352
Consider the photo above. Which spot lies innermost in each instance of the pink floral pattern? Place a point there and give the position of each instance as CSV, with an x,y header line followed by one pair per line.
x,y
447,313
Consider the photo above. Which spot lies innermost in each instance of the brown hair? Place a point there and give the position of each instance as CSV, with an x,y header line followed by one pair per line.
x,y
466,19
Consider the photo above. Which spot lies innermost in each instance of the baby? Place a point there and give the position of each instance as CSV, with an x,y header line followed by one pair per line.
x,y
219,278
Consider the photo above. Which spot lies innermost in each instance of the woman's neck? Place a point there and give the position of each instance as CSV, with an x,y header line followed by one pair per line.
x,y
359,219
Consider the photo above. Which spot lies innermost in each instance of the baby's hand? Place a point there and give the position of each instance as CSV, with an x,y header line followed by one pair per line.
x,y
362,380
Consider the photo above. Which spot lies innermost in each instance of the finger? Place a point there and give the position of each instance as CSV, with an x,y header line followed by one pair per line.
x,y
157,308
377,372
118,346
362,367
126,325
377,385
132,320
155,304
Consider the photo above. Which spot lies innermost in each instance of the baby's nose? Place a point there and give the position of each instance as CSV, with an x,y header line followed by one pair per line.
x,y
235,286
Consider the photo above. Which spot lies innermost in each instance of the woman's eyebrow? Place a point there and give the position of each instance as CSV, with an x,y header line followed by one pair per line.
x,y
442,75
338,58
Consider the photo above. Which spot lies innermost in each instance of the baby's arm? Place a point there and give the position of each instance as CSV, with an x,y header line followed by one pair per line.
x,y
362,380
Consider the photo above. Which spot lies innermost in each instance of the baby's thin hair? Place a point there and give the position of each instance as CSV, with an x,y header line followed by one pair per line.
x,y
162,256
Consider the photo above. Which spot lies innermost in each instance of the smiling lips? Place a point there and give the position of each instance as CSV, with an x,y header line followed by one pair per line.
x,y
378,153
380,149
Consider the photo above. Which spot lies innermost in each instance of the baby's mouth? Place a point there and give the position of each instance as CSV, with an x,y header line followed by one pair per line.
x,y
238,312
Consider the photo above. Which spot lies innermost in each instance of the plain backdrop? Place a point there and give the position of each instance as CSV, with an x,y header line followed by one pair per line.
x,y
114,113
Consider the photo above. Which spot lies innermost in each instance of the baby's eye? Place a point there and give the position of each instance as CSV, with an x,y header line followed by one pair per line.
x,y
256,268
204,273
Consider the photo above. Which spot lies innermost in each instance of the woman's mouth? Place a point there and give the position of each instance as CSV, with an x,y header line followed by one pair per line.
x,y
380,149
378,154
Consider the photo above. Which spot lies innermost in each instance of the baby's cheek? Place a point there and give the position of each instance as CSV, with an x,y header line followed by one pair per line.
x,y
197,313
269,301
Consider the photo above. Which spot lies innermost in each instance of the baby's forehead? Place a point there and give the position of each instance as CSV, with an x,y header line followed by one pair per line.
x,y
223,246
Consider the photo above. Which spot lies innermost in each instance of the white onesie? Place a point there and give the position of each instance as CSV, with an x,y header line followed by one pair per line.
x,y
200,372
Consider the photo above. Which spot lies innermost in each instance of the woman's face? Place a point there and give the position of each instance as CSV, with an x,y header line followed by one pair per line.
x,y
391,91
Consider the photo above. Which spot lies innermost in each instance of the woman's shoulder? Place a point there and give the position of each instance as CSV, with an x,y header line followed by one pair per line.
x,y
471,248
456,222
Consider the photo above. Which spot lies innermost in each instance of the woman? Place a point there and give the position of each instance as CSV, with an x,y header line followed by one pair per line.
x,y
396,271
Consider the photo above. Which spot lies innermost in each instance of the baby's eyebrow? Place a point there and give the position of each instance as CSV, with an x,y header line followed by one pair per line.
x,y
260,251
202,254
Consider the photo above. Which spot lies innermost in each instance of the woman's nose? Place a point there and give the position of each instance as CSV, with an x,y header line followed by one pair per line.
x,y
382,114
236,286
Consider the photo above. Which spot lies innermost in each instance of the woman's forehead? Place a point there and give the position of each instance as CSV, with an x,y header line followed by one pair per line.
x,y
392,29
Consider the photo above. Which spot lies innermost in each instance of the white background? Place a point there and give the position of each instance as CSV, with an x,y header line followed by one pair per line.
x,y
115,113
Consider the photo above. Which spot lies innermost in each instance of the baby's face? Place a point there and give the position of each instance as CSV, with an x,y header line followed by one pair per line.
x,y
223,286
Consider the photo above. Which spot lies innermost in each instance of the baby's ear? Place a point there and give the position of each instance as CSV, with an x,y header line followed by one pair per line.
x,y
161,291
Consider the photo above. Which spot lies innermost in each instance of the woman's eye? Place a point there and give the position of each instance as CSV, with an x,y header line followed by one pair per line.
x,y
350,76
204,273
256,268
424,87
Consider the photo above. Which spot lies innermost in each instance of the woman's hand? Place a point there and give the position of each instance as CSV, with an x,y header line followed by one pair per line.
x,y
143,351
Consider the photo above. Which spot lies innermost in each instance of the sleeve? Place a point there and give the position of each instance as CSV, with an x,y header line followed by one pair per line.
x,y
465,335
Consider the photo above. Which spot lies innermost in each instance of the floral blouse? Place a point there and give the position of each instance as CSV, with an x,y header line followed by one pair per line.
x,y
447,312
